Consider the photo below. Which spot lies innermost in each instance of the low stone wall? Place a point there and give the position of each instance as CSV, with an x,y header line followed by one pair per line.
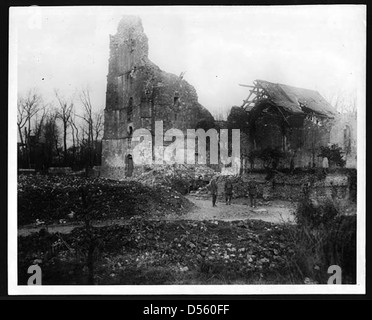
x,y
335,186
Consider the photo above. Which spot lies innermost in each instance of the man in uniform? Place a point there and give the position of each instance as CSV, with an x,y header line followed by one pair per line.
x,y
228,191
213,189
252,191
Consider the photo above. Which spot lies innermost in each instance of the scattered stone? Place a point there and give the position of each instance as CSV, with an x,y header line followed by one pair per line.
x,y
39,222
260,210
184,269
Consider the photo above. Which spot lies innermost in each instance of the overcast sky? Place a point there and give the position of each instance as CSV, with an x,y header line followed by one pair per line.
x,y
315,47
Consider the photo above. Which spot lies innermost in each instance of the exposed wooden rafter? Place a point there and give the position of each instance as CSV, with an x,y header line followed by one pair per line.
x,y
257,91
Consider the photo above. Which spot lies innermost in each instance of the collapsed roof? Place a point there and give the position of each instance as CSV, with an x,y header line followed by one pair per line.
x,y
291,99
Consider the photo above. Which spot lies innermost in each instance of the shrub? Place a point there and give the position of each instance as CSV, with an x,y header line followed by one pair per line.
x,y
334,154
309,216
352,174
252,156
271,157
322,237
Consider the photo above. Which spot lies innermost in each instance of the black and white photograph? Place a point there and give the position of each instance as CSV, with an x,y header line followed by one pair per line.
x,y
187,150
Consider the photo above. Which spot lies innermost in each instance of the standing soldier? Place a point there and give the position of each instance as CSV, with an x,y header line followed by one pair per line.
x,y
228,190
306,189
213,188
252,191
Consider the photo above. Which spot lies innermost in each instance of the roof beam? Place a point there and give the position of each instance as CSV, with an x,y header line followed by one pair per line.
x,y
246,85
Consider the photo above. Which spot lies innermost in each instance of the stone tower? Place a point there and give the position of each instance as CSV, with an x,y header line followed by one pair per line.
x,y
138,94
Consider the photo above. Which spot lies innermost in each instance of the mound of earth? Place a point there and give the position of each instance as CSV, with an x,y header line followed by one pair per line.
x,y
51,198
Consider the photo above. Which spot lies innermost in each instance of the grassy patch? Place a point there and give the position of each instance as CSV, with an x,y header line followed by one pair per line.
x,y
322,237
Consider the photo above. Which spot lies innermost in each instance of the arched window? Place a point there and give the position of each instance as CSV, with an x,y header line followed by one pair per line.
x,y
129,165
130,135
130,110
347,139
132,45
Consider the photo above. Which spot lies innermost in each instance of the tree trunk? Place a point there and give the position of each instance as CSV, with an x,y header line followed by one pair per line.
x,y
20,134
65,143
27,139
73,146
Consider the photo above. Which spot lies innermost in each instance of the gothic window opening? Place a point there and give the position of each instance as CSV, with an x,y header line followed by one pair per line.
x,y
132,45
176,99
130,110
347,139
129,165
130,135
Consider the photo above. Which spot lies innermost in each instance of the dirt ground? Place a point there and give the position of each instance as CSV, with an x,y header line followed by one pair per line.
x,y
175,240
274,211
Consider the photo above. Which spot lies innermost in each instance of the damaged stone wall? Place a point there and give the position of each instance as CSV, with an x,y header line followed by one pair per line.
x,y
138,94
304,142
300,139
344,133
335,186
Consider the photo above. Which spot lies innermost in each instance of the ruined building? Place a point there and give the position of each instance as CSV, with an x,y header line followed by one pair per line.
x,y
138,94
293,120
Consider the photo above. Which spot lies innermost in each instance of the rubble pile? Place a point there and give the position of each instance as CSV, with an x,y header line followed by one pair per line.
x,y
206,173
235,250
51,198
181,178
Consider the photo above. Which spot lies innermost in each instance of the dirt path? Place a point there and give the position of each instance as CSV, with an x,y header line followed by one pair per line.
x,y
275,211
66,228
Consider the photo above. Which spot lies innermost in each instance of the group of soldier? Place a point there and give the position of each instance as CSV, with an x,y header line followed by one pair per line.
x,y
252,191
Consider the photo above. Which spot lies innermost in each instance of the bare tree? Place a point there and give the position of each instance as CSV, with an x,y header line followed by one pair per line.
x,y
74,134
221,114
64,113
27,108
88,111
39,122
342,101
51,135
87,117
98,125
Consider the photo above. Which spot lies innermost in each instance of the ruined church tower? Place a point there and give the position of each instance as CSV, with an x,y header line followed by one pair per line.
x,y
138,94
